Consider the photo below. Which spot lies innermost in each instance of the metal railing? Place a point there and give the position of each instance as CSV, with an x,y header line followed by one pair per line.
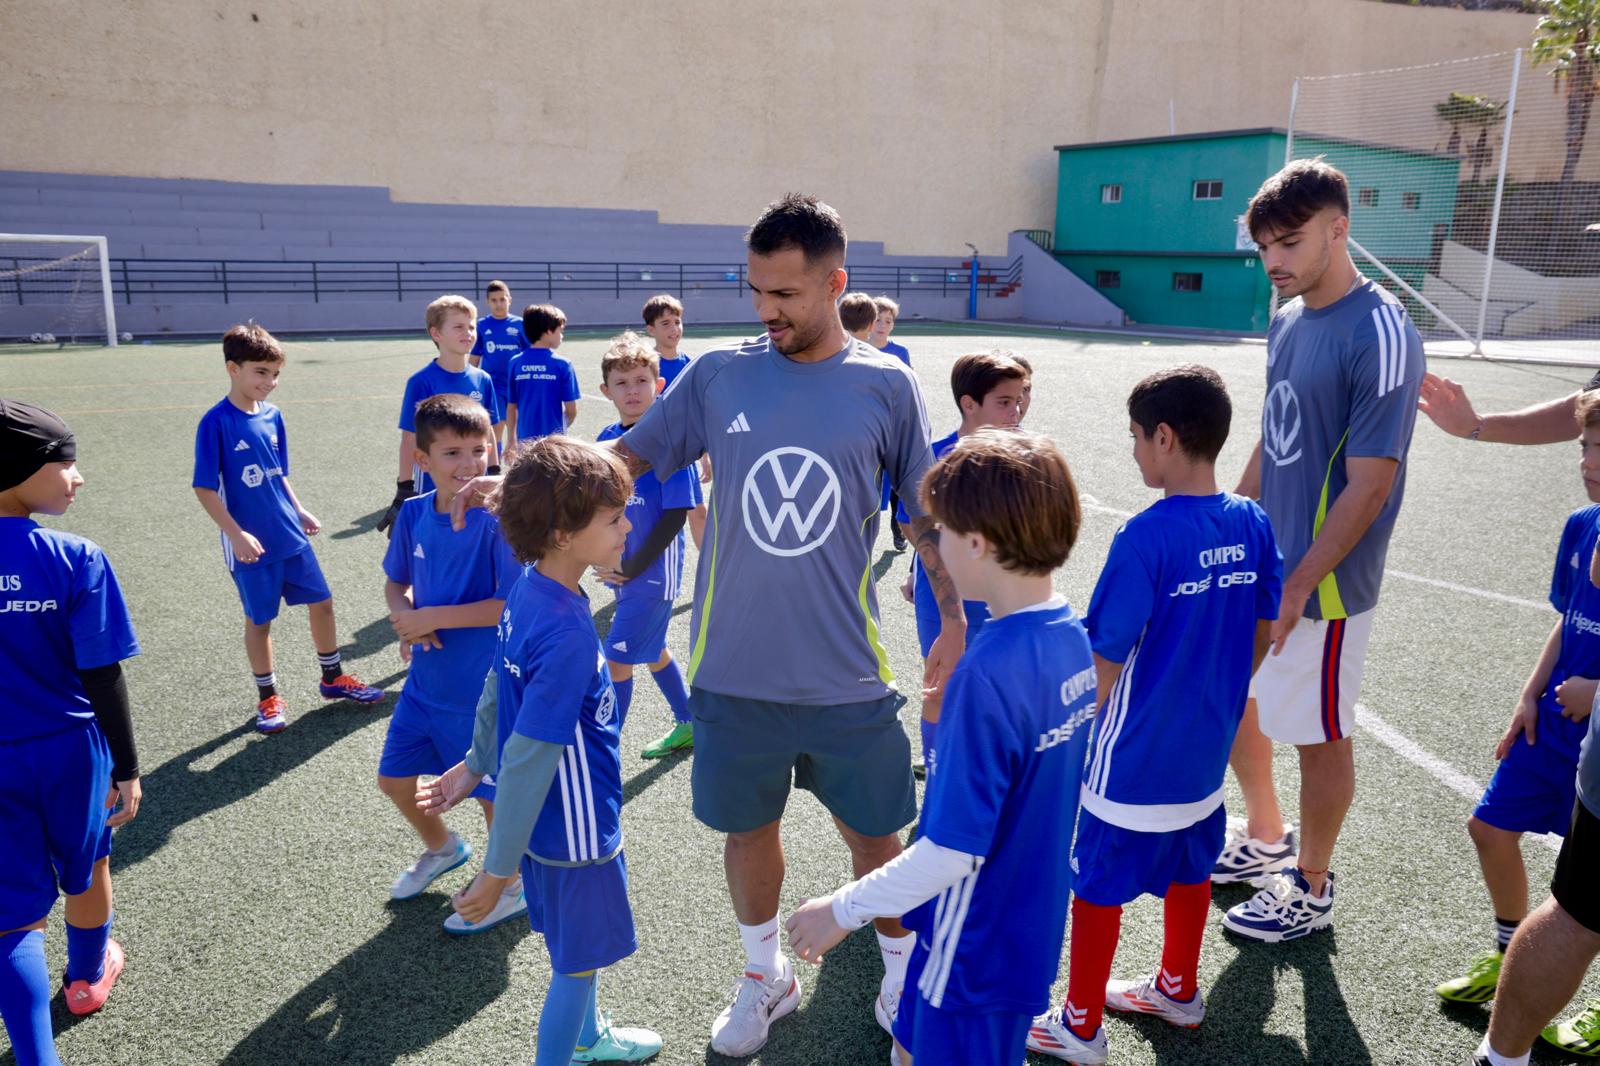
x,y
319,280
1042,237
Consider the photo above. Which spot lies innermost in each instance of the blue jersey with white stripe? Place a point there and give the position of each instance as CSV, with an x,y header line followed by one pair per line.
x,y
553,686
443,568
541,382
61,611
1342,383
1574,595
651,496
1011,743
1184,584
498,340
244,458
671,368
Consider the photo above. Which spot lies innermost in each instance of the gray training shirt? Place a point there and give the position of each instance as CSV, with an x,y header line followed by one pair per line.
x,y
785,607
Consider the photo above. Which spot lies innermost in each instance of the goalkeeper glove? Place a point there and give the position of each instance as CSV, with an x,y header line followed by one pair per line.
x,y
403,491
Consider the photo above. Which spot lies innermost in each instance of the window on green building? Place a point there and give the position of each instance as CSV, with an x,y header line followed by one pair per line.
x,y
1411,201
1208,190
1111,194
1182,282
1367,197
1108,279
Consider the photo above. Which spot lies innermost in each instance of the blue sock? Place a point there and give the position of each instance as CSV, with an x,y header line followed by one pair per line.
x,y
561,1020
624,698
591,1017
86,951
25,998
930,731
670,680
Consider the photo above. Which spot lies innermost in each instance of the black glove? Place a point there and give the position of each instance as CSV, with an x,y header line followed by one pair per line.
x,y
403,491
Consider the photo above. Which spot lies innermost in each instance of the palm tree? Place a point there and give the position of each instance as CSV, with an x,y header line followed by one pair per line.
x,y
1464,109
1568,37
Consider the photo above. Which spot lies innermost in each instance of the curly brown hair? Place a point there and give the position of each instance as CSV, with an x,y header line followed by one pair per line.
x,y
556,484
1014,489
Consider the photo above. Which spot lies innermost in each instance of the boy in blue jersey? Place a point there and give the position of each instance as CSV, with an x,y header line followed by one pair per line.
x,y
651,572
992,849
67,755
1535,786
241,477
988,390
663,320
445,591
883,325
544,387
499,338
550,737
1180,619
453,328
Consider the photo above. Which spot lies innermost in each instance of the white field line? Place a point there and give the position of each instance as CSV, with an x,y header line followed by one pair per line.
x,y
1374,724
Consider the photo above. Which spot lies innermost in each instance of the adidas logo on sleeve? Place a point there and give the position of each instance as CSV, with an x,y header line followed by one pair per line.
x,y
739,425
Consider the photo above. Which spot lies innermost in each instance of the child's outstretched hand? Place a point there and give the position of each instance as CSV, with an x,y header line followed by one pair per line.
x,y
609,575
309,523
129,793
447,790
1576,696
812,930
476,900
1525,719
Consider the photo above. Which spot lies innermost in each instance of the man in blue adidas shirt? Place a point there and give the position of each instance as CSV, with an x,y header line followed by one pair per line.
x,y
499,338
991,857
544,387
1179,620
67,755
445,591
1344,367
651,573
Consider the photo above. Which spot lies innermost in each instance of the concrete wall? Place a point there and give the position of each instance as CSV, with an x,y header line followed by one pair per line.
x,y
926,125
1233,293
1052,293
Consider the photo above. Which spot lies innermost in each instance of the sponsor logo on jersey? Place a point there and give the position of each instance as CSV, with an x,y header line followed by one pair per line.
x,y
419,553
1584,624
1062,733
607,708
1222,581
1280,425
791,501
252,476
27,606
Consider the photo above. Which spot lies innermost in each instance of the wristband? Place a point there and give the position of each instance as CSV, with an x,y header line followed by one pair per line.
x,y
1476,430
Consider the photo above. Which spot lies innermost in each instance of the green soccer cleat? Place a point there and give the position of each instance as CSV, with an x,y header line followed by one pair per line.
x,y
1483,977
682,736
1580,1036
619,1045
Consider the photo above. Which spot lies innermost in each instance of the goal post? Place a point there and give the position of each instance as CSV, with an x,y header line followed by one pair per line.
x,y
52,283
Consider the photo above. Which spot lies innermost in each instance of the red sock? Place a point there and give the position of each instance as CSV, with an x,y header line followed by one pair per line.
x,y
1093,945
1187,907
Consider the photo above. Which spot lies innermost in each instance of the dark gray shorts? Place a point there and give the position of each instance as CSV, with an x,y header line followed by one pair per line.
x,y
854,757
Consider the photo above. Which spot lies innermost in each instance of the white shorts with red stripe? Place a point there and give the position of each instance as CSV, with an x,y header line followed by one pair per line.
x,y
1307,695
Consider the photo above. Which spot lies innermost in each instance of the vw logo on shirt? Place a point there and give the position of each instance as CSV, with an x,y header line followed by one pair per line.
x,y
791,501
1280,425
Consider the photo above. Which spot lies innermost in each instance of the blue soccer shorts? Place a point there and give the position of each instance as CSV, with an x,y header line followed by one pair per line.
x,y
52,819
1532,790
582,911
638,633
264,583
942,1037
427,740
1116,865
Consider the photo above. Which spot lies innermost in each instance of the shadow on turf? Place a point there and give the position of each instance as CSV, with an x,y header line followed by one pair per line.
x,y
365,524
176,793
359,1011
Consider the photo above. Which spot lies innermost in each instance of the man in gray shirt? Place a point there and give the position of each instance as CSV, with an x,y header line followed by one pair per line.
x,y
789,679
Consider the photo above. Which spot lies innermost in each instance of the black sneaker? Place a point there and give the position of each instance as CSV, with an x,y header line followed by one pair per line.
x,y
899,539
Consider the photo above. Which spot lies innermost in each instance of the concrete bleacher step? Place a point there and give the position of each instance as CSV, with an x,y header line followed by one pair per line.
x,y
190,186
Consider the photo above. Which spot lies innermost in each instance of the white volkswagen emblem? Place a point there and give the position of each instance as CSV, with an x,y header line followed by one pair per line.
x,y
801,493
252,476
1280,425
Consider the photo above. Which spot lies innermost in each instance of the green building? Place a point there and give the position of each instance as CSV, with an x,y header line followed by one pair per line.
x,y
1155,224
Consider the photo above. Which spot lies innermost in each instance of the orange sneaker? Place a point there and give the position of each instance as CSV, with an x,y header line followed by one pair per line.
x,y
86,997
345,687
272,714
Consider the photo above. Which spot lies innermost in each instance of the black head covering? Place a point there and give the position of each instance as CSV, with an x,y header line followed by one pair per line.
x,y
31,436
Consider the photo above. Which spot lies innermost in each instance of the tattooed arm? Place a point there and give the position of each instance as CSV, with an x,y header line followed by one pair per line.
x,y
952,639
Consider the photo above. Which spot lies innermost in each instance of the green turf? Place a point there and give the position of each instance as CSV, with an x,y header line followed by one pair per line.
x,y
252,888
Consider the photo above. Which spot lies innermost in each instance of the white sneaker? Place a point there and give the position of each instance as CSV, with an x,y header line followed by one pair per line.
x,y
1244,858
1049,1035
1148,995
886,1007
429,865
758,1001
510,904
1283,910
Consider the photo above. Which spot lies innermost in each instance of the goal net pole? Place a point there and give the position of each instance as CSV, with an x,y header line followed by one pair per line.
x,y
108,300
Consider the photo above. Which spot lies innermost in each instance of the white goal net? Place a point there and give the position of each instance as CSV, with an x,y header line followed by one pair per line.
x,y
1474,196
56,289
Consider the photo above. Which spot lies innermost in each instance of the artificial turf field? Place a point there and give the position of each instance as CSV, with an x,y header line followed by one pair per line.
x,y
253,886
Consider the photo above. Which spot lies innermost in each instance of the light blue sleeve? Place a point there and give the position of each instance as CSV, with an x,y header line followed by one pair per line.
x,y
526,769
484,755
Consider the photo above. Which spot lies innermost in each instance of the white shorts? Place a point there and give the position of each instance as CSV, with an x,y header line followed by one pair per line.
x,y
1307,695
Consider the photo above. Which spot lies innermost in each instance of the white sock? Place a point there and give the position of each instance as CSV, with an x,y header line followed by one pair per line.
x,y
896,957
761,946
1497,1059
